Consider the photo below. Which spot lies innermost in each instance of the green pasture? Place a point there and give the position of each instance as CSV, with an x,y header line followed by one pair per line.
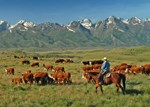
x,y
79,93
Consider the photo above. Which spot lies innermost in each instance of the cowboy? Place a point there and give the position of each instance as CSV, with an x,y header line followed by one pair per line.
x,y
105,68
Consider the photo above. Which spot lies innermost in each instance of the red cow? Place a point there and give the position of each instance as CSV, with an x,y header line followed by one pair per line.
x,y
59,60
135,69
35,58
62,77
28,77
17,81
69,61
28,71
96,66
146,69
10,71
86,62
96,62
48,67
87,68
42,77
35,64
25,62
58,69
122,68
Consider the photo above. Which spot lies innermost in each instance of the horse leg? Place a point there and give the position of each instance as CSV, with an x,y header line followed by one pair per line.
x,y
119,86
123,91
98,85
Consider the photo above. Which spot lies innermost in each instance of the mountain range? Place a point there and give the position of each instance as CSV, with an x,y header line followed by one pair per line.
x,y
111,32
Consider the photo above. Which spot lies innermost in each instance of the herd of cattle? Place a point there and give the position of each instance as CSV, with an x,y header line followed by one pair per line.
x,y
58,75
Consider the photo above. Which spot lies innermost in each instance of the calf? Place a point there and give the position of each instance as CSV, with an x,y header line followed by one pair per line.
x,y
17,81
9,71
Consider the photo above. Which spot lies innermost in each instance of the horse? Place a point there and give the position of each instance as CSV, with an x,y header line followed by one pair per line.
x,y
115,78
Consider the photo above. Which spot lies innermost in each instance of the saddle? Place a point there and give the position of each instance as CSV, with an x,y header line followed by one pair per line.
x,y
108,75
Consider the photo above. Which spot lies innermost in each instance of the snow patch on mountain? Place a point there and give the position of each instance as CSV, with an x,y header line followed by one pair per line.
x,y
126,21
70,29
120,30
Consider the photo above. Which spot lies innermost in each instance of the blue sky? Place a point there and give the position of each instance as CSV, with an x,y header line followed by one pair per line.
x,y
64,11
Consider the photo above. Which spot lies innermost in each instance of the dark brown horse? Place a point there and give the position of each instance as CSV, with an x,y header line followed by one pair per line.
x,y
115,78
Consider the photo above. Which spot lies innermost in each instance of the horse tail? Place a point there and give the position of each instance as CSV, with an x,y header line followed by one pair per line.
x,y
123,78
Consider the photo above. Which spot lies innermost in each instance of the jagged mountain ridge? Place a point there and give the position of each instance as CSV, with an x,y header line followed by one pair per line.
x,y
111,32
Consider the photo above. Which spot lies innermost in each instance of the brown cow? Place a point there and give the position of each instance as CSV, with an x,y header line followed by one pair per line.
x,y
87,68
69,61
35,58
17,81
9,71
58,69
28,71
135,69
42,77
85,62
16,56
28,77
146,69
96,66
62,77
96,62
59,60
35,64
48,67
25,62
122,68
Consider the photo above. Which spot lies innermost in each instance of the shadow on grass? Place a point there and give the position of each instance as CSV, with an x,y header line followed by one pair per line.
x,y
21,88
134,92
135,83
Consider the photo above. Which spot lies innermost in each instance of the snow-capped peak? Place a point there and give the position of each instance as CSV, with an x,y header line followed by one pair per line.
x,y
135,21
87,23
26,23
147,20
111,21
3,25
1,22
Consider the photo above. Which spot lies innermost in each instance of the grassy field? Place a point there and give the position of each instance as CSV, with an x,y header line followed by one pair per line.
x,y
79,93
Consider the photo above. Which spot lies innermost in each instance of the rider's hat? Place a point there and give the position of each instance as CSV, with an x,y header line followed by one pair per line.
x,y
104,58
